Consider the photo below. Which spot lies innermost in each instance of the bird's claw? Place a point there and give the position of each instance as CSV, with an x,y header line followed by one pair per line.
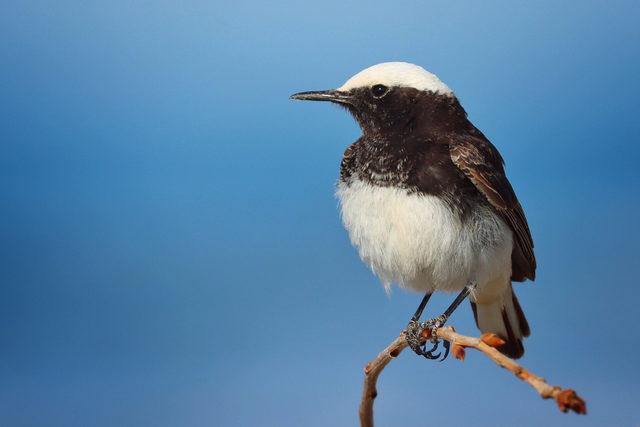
x,y
413,335
418,344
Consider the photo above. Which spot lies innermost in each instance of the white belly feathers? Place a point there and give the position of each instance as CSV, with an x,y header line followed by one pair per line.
x,y
418,242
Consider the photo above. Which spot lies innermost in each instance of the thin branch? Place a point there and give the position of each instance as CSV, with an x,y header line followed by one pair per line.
x,y
567,399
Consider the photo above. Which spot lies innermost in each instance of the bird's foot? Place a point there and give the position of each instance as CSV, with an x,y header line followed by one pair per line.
x,y
415,336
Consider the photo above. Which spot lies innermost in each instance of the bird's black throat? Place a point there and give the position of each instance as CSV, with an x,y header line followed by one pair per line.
x,y
405,144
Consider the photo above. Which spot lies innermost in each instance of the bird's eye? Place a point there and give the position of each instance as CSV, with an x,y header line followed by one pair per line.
x,y
379,91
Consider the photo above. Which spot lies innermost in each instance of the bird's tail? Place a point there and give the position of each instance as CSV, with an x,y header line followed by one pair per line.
x,y
505,318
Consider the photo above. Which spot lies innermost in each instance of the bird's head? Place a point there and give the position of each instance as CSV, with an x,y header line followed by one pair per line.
x,y
387,97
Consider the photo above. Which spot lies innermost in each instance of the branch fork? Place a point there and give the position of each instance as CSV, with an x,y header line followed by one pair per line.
x,y
566,399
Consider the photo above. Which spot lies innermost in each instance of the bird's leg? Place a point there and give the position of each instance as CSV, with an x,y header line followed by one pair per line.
x,y
415,329
421,307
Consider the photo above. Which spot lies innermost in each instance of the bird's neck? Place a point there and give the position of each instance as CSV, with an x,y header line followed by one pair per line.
x,y
388,153
379,160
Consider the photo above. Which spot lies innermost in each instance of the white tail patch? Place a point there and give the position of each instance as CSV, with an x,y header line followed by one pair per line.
x,y
503,317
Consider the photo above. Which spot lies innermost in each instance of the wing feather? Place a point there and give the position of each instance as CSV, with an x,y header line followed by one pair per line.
x,y
483,165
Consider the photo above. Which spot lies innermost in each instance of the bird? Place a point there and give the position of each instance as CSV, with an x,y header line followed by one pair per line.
x,y
426,201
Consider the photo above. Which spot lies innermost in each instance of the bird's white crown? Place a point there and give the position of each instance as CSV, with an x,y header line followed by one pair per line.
x,y
400,74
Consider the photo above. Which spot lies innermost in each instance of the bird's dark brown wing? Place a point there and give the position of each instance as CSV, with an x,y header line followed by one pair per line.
x,y
483,165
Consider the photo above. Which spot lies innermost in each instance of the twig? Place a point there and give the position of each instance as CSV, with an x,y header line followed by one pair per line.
x,y
567,399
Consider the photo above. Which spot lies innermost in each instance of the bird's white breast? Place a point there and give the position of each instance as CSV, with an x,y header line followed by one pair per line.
x,y
419,242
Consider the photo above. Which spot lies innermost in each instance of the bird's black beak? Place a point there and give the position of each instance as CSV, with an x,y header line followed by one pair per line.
x,y
323,95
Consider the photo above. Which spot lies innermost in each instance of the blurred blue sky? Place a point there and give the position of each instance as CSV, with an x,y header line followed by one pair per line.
x,y
171,248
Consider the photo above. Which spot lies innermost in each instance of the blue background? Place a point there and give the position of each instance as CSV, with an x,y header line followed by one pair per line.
x,y
172,253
